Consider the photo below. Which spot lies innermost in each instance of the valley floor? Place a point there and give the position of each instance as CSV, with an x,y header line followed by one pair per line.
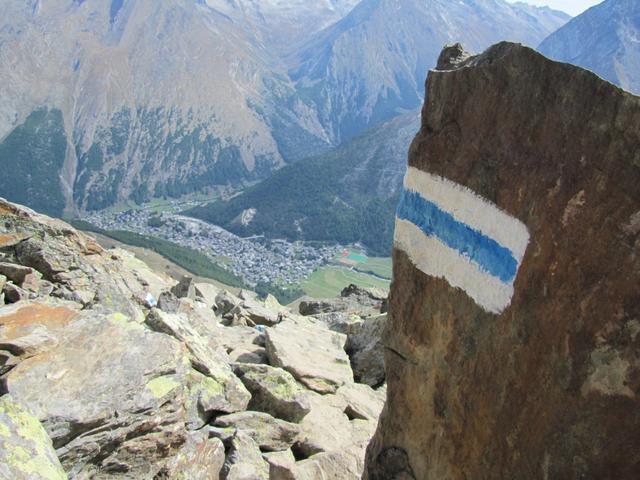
x,y
316,270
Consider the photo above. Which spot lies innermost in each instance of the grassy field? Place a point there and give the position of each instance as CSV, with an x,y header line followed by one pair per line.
x,y
379,266
328,282
172,205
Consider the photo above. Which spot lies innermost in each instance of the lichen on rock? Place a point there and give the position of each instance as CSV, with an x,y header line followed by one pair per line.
x,y
26,451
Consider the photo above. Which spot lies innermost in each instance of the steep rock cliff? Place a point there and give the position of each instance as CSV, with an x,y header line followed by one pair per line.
x,y
512,345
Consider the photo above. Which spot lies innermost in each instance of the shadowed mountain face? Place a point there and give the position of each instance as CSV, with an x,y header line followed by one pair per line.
x,y
605,39
143,98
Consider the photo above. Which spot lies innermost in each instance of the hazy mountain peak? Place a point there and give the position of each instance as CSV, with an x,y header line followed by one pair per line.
x,y
282,24
378,55
604,39
153,95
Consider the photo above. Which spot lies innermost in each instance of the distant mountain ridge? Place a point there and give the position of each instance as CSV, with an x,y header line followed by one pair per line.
x,y
283,25
147,98
371,65
154,98
605,39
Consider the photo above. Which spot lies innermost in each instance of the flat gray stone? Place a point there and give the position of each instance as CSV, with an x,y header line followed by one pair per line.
x,y
244,461
274,391
107,385
313,354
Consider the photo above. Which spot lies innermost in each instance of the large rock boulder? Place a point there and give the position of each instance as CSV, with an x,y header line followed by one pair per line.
x,y
200,458
347,323
107,388
246,309
361,401
365,296
274,391
206,357
328,305
244,460
14,294
282,465
207,293
512,343
342,465
353,299
334,440
17,273
244,344
271,434
26,451
27,329
365,347
314,355
185,288
72,265
326,428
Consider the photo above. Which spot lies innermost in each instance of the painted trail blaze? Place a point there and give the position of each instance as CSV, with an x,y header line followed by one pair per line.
x,y
450,232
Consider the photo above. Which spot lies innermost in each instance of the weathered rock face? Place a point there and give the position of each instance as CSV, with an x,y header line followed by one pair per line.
x,y
25,448
366,349
274,391
353,299
514,314
110,385
271,434
313,355
200,458
244,461
98,380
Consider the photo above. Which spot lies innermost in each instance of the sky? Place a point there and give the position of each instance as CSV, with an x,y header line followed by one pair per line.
x,y
572,7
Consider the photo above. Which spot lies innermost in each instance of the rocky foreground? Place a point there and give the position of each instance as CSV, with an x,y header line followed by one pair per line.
x,y
111,370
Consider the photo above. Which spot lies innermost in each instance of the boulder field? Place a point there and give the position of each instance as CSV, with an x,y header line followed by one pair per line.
x,y
111,370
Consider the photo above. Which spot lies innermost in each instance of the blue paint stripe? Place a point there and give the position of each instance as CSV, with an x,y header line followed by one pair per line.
x,y
492,257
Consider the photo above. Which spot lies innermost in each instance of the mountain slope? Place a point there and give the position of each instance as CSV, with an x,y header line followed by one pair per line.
x,y
153,97
605,39
371,65
366,68
347,195
283,24
143,98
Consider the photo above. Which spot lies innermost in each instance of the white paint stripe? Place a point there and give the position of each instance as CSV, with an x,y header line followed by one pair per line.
x,y
434,258
469,208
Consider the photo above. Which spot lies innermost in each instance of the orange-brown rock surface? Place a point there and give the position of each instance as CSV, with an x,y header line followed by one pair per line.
x,y
515,352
